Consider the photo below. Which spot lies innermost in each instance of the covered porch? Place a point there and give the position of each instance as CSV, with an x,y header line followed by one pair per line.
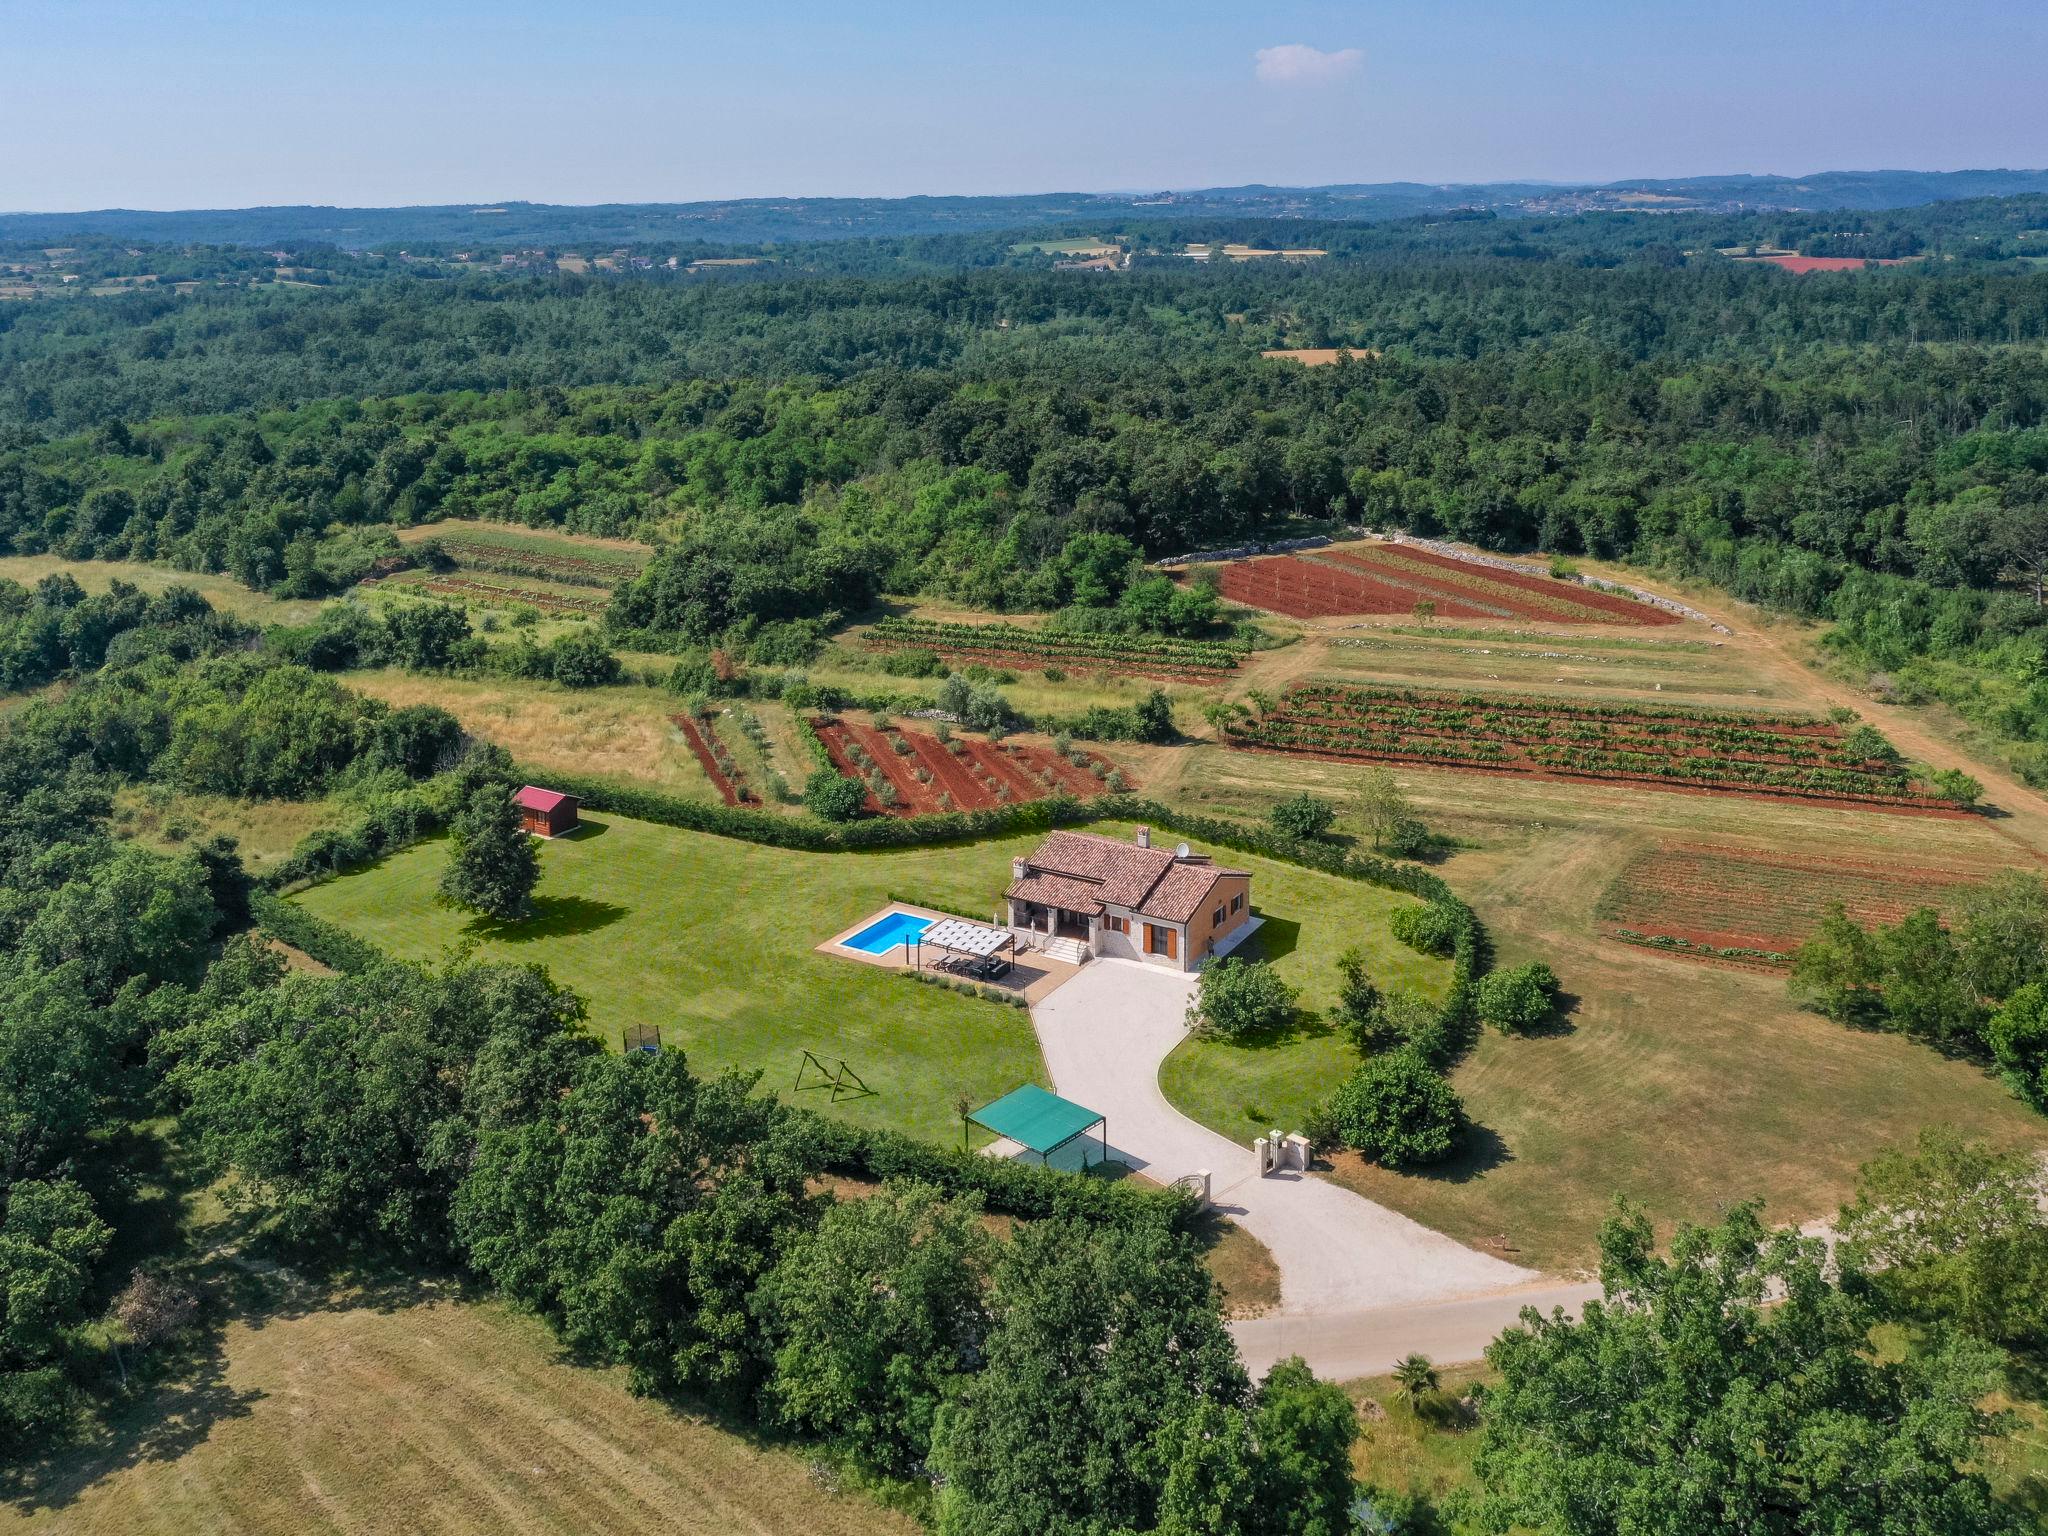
x,y
1051,911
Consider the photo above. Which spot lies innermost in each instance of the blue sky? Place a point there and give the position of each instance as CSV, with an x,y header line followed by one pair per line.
x,y
175,104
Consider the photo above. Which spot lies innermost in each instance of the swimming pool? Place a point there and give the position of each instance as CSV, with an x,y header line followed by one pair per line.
x,y
886,932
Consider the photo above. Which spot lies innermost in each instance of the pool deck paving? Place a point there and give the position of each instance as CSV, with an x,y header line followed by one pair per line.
x,y
1033,974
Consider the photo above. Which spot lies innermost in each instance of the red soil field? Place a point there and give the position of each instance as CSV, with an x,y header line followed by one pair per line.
x,y
1828,263
1747,898
1305,589
973,778
1407,558
698,735
1393,578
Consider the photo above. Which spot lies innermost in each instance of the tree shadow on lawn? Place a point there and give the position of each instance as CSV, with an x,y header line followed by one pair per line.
x,y
1481,1153
1276,936
554,917
1558,1022
1304,1024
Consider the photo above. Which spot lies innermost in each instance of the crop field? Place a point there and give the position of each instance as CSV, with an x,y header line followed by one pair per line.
x,y
1672,748
1521,594
1014,645
1755,905
1320,357
549,556
923,774
700,734
506,594
1393,578
1563,663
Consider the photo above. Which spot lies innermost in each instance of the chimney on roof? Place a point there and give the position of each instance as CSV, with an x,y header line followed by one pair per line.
x,y
1018,869
1144,837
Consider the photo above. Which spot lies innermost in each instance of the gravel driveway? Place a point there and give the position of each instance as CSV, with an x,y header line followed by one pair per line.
x,y
1105,1034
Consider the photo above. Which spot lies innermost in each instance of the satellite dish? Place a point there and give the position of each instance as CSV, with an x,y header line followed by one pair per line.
x,y
1181,850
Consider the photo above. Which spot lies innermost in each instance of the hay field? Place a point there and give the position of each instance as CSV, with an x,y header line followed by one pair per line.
x,y
421,1412
621,733
224,592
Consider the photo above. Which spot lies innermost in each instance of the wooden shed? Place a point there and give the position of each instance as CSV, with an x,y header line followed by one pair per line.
x,y
546,812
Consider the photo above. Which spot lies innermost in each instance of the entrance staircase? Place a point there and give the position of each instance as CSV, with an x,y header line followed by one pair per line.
x,y
1072,951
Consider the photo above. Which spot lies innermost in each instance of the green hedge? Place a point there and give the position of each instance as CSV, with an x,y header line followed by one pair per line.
x,y
1018,1189
392,822
803,832
329,943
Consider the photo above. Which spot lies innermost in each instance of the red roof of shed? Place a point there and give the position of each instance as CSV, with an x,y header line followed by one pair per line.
x,y
534,798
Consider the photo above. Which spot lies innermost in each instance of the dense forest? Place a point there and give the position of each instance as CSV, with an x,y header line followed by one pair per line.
x,y
1865,446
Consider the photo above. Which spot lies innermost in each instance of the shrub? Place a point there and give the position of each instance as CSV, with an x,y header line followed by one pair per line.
x,y
1867,744
1153,717
1399,1111
1240,997
1517,999
831,796
1407,838
1431,928
1954,784
1303,816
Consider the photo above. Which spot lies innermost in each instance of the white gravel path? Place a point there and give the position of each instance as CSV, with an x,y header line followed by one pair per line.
x,y
1105,1034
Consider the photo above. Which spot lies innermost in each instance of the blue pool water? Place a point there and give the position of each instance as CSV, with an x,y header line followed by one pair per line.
x,y
886,933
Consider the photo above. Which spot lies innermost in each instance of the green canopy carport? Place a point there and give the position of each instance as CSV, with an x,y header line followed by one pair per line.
x,y
1039,1121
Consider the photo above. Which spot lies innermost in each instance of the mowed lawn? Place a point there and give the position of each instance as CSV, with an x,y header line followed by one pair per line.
x,y
434,1415
714,940
1243,1088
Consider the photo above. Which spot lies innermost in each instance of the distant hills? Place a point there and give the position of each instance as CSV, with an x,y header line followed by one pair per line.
x,y
755,220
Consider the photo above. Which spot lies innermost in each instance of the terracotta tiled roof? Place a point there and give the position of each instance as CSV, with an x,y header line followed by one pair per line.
x,y
1058,891
1124,871
1178,895
1081,872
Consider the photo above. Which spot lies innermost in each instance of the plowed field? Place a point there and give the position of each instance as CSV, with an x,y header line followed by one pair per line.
x,y
1751,904
1393,578
965,774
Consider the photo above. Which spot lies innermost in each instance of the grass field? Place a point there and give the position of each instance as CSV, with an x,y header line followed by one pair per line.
x,y
266,830
418,1412
621,733
1243,1087
224,592
1681,1085
713,940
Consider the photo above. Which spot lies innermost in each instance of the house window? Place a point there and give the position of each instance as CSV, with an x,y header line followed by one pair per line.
x,y
1116,924
1237,902
1216,918
1159,940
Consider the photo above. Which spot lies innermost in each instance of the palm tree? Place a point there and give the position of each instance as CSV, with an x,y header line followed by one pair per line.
x,y
1416,1376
